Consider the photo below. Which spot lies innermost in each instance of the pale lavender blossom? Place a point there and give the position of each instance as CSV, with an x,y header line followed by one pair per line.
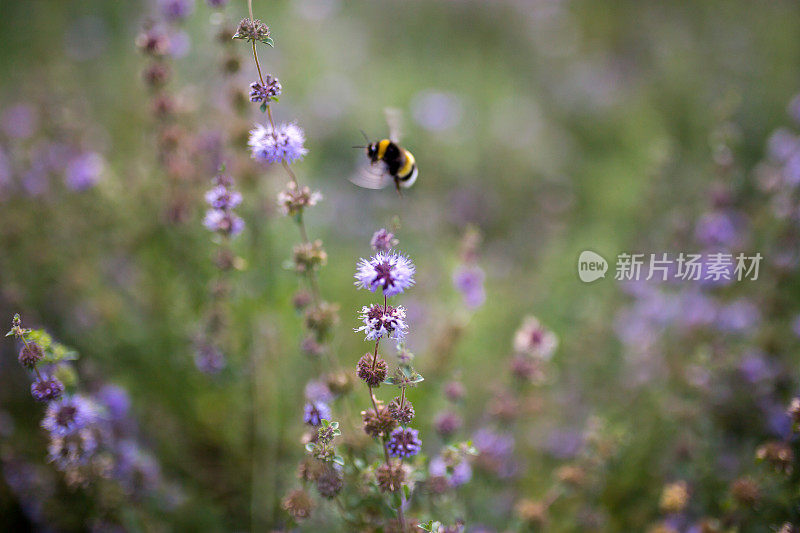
x,y
222,197
222,222
318,391
83,171
69,414
534,339
380,322
719,228
284,143
391,272
739,316
209,359
116,401
468,280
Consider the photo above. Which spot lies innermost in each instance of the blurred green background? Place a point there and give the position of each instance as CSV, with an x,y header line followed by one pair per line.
x,y
552,126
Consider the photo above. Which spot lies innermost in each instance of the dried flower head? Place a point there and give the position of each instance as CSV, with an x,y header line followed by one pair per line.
x,y
778,454
30,354
298,504
283,143
390,477
401,410
301,299
404,442
535,340
293,199
329,482
793,411
746,490
383,240
455,391
269,90
531,511
253,30
392,272
152,41
383,322
46,389
309,256
156,75
321,318
447,423
378,423
371,369
674,497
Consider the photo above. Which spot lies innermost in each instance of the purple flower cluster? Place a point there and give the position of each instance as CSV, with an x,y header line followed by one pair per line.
x,y
282,143
390,271
222,199
404,442
175,10
383,322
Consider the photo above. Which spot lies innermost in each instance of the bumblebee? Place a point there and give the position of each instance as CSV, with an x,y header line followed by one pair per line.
x,y
388,161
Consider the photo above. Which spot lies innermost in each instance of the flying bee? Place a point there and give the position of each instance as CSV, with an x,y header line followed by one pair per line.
x,y
388,161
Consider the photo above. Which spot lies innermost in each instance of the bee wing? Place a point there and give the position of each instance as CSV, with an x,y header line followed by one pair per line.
x,y
372,176
394,118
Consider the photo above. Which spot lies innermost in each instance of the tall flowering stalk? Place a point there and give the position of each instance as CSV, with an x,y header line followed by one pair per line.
x,y
225,224
284,143
390,273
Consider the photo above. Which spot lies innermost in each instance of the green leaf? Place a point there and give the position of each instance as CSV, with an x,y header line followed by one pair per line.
x,y
390,381
263,107
269,41
339,460
334,425
407,491
310,447
275,99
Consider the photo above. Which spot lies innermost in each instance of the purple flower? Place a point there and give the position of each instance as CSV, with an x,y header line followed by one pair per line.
x,y
383,241
738,317
68,415
46,389
222,222
174,10
71,451
116,401
315,412
217,3
404,442
83,171
270,89
756,368
457,474
318,391
135,468
19,121
468,280
392,272
209,359
794,108
221,197
383,323
719,228
284,143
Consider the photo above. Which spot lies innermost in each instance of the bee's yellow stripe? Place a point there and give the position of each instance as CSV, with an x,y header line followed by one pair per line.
x,y
408,166
382,146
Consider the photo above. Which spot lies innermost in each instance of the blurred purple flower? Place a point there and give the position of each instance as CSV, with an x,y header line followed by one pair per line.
x,y
720,228
755,368
174,10
468,280
209,359
84,170
437,111
318,391
116,401
68,415
19,121
739,316
315,412
564,443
